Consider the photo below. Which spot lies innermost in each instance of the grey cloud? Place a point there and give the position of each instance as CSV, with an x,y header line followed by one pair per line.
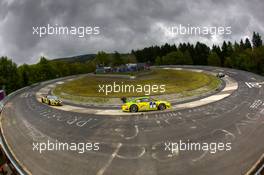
x,y
125,24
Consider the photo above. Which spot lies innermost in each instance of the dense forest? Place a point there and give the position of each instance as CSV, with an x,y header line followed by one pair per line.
x,y
246,55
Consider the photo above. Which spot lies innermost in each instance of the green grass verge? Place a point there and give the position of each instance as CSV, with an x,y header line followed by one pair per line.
x,y
176,81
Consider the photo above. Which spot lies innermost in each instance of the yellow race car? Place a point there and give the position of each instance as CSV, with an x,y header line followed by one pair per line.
x,y
51,100
145,104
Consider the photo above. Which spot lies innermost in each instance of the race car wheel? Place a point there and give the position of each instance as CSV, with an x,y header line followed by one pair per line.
x,y
162,107
42,100
133,108
49,102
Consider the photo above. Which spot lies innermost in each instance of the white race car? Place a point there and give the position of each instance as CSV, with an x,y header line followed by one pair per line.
x,y
220,75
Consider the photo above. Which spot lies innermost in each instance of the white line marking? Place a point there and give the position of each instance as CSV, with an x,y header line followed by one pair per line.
x,y
131,158
175,152
167,121
102,170
248,84
254,84
200,157
238,127
256,104
135,135
60,82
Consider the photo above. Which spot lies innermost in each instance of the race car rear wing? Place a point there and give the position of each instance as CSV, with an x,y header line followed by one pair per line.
x,y
124,99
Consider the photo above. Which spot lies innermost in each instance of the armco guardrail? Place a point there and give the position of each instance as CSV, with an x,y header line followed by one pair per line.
x,y
11,158
3,143
260,170
258,167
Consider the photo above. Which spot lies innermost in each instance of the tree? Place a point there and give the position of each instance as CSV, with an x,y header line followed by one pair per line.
x,y
24,72
62,68
165,49
242,45
187,58
243,61
256,40
117,60
247,44
258,59
235,55
230,49
9,77
129,58
191,50
176,57
158,60
213,59
224,52
236,47
182,47
44,70
217,50
102,58
201,54
228,62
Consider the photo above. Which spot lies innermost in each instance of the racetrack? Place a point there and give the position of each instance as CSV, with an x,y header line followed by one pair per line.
x,y
134,144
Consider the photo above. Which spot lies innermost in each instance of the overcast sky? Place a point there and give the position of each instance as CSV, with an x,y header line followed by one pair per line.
x,y
124,24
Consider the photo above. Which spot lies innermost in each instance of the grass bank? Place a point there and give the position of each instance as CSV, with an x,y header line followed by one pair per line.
x,y
175,81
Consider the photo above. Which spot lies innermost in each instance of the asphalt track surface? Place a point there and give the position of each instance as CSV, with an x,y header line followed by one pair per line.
x,y
134,145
